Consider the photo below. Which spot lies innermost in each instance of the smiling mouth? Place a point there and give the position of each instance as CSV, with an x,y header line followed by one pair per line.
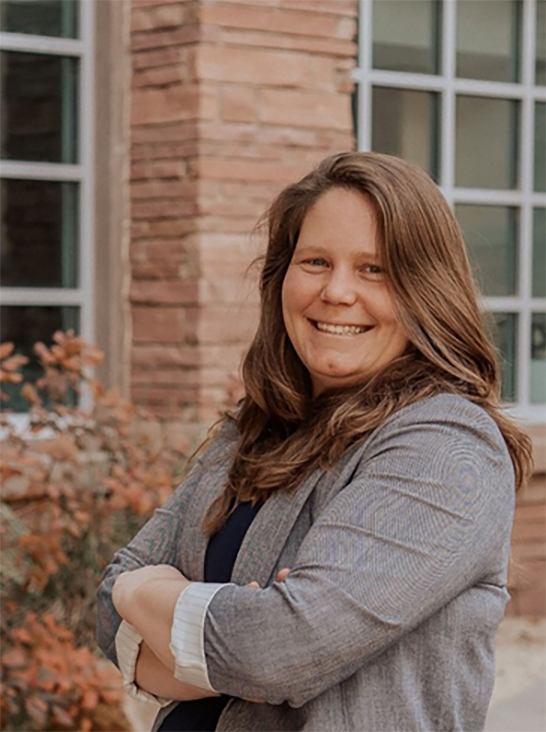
x,y
341,329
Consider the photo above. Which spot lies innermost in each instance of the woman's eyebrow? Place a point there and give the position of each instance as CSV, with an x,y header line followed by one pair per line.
x,y
312,248
318,249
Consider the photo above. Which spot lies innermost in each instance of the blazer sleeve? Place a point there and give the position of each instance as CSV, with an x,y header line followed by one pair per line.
x,y
426,515
158,542
155,543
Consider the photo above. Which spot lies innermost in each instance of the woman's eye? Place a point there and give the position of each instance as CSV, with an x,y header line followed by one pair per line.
x,y
316,262
374,269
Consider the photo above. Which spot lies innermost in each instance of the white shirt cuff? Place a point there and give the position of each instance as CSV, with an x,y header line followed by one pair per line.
x,y
128,641
187,634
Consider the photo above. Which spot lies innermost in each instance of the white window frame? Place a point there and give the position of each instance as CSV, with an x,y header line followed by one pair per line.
x,y
448,86
82,172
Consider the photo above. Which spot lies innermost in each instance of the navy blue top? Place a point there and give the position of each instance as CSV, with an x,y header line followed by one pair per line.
x,y
202,715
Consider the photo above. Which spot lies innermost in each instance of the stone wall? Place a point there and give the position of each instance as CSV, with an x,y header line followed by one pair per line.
x,y
165,110
230,102
528,570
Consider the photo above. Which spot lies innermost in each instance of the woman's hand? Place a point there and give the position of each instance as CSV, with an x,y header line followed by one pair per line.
x,y
129,584
146,599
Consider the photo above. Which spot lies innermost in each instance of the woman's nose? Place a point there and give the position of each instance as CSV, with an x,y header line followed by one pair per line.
x,y
339,289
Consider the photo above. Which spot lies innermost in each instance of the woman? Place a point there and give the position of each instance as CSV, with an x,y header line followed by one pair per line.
x,y
352,519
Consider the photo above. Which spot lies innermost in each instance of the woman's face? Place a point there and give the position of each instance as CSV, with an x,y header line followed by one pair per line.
x,y
337,309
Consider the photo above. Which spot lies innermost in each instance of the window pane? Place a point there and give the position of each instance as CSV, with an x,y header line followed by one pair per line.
x,y
405,35
539,252
505,338
39,107
26,325
486,142
491,236
488,33
540,146
39,234
540,64
405,123
40,17
538,358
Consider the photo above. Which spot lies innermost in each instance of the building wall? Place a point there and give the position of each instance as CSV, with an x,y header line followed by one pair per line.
x,y
230,102
528,569
164,265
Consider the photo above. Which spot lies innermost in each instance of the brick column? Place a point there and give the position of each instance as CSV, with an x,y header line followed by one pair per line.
x,y
231,101
166,106
528,571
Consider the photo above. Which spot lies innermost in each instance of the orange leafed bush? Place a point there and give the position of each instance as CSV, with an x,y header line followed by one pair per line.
x,y
52,685
77,484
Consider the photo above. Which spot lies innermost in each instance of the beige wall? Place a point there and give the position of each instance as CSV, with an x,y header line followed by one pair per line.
x,y
112,82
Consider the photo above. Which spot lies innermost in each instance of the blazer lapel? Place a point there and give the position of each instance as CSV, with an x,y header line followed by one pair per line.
x,y
269,531
194,540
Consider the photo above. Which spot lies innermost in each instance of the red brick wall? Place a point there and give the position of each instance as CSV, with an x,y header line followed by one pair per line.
x,y
230,102
528,571
165,110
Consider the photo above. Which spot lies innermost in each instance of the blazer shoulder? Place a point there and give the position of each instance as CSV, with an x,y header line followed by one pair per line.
x,y
449,418
446,409
221,445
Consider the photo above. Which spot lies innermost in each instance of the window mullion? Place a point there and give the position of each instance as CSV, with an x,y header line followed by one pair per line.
x,y
86,158
488,196
42,44
447,122
504,303
405,80
526,183
40,171
46,296
365,90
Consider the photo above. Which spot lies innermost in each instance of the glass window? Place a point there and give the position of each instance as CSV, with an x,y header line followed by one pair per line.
x,y
39,107
405,123
39,233
488,33
540,61
539,252
505,338
476,157
540,147
405,36
491,234
486,142
538,358
40,17
24,326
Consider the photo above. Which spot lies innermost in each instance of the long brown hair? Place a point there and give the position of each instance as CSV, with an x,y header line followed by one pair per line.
x,y
284,432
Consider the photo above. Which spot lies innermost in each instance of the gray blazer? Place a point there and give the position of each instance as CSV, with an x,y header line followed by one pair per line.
x,y
399,556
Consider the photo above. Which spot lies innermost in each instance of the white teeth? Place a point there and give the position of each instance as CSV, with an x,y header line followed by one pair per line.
x,y
341,329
